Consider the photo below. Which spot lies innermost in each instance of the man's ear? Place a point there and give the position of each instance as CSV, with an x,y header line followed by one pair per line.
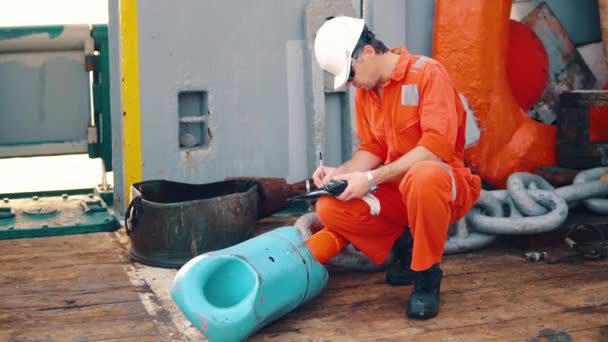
x,y
369,50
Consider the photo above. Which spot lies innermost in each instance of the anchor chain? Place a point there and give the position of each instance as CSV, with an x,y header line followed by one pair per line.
x,y
529,205
535,206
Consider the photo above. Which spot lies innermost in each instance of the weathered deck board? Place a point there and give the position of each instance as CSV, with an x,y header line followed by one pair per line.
x,y
73,288
76,288
488,295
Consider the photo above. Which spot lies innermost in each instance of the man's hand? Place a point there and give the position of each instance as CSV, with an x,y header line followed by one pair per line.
x,y
361,161
323,175
357,187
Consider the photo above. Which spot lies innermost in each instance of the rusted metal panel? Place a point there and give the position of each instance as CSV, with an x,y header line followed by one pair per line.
x,y
574,146
557,176
274,192
584,99
567,69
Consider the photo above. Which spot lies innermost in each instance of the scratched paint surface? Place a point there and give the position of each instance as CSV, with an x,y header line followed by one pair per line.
x,y
18,32
567,69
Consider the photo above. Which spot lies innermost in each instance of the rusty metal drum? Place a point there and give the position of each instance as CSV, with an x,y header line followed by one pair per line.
x,y
170,223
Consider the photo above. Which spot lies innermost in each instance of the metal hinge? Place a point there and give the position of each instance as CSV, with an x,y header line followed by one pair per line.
x,y
92,137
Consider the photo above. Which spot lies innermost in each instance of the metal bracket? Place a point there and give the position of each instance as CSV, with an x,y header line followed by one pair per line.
x,y
93,206
6,213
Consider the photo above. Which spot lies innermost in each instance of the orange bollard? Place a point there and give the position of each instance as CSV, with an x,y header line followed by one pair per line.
x,y
470,40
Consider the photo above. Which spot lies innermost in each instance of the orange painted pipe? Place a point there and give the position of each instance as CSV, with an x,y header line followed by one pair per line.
x,y
470,40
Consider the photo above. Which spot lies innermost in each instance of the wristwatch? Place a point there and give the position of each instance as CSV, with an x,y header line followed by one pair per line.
x,y
373,187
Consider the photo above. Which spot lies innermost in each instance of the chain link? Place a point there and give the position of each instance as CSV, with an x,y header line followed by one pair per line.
x,y
529,205
534,206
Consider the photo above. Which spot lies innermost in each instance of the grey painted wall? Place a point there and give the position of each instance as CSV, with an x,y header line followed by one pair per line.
x,y
237,52
398,22
387,19
251,60
420,20
116,105
330,110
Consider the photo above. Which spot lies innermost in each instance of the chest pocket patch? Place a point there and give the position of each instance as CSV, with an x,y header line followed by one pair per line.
x,y
409,95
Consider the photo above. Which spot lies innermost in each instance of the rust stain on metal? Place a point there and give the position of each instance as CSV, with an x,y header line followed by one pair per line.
x,y
574,146
193,246
273,193
557,176
210,133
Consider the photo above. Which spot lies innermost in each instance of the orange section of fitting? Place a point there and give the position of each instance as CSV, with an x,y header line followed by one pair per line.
x,y
325,245
470,40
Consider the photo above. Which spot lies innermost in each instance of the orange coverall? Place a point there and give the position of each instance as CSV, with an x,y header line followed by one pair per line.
x,y
419,106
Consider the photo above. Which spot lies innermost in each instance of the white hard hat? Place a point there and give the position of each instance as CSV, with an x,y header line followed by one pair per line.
x,y
334,45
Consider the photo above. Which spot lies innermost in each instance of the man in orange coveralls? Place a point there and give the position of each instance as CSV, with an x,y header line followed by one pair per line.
x,y
408,169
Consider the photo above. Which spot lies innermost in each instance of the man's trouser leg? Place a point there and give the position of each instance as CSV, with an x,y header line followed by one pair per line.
x,y
401,273
427,190
427,194
371,224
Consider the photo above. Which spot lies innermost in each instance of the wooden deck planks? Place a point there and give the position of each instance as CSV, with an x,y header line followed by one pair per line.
x,y
72,288
490,295
75,288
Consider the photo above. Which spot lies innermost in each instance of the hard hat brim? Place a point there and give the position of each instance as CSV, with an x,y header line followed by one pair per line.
x,y
341,78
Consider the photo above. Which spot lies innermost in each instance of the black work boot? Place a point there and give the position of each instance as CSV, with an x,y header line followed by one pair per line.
x,y
424,301
400,273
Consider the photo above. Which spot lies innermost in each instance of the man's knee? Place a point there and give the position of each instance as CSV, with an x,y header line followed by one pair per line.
x,y
326,208
335,213
425,175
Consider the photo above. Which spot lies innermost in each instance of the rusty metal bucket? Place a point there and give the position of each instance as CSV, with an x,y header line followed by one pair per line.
x,y
169,223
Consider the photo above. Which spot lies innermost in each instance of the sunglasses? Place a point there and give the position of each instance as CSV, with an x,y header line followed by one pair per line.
x,y
351,74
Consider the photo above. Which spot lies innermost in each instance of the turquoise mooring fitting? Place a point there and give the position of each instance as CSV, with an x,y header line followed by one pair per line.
x,y
231,293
